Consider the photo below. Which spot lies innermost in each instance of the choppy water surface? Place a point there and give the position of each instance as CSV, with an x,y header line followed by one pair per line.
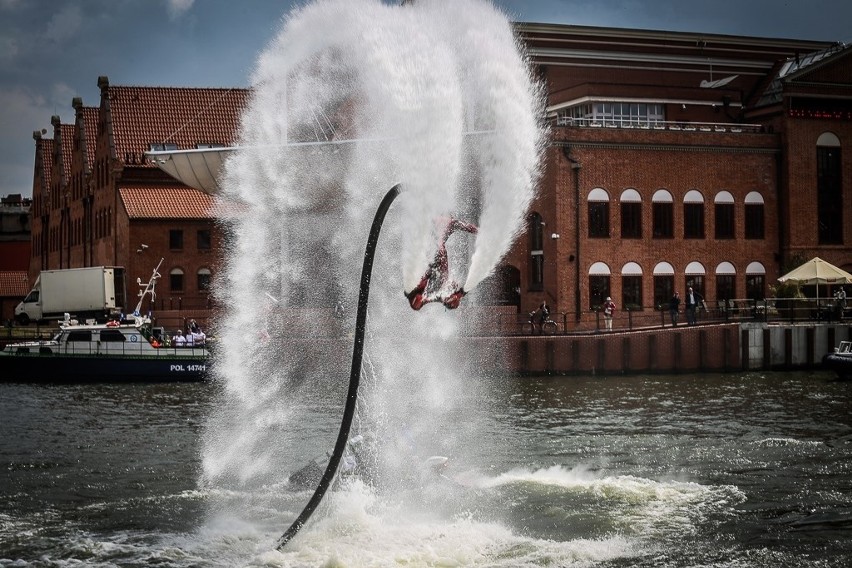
x,y
710,470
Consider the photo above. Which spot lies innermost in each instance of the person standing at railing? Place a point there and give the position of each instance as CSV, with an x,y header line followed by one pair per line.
x,y
693,300
609,311
674,307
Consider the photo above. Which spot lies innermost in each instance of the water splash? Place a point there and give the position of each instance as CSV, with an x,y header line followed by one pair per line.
x,y
350,98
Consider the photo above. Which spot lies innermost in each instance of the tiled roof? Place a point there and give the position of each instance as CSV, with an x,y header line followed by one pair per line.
x,y
67,146
153,202
13,283
90,126
178,115
46,166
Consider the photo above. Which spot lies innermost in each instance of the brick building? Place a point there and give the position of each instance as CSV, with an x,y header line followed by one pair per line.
x,y
675,159
97,200
682,159
14,252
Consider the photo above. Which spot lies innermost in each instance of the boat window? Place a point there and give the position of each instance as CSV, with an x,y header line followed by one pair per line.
x,y
80,335
23,350
112,335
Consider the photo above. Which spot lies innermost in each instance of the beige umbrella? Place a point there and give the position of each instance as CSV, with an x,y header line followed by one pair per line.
x,y
817,271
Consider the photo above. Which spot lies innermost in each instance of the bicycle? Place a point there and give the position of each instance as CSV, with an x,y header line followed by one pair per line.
x,y
548,327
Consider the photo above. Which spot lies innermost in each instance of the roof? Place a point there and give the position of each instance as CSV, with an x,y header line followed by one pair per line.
x,y
182,116
13,283
45,145
90,131
794,67
162,202
68,132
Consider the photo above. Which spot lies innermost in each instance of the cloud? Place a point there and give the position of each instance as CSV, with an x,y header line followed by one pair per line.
x,y
9,4
8,48
177,8
64,24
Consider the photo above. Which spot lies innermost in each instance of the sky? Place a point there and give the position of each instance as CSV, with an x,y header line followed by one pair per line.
x,y
52,51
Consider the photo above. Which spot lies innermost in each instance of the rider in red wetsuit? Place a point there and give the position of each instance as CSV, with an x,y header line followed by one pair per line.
x,y
435,278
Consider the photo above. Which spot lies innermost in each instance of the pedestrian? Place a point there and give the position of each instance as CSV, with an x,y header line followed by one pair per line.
x,y
674,306
609,311
692,301
543,313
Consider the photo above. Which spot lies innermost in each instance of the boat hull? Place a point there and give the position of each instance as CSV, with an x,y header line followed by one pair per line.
x,y
94,368
840,364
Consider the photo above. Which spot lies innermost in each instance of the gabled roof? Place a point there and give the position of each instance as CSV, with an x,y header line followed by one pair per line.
x,y
68,131
44,151
13,283
152,202
797,68
183,116
90,131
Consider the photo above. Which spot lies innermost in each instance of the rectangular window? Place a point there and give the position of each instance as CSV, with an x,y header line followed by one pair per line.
x,y
176,239
693,220
537,268
755,286
631,292
598,220
754,221
724,220
176,282
726,287
829,196
162,146
203,281
663,290
631,221
598,291
663,220
203,238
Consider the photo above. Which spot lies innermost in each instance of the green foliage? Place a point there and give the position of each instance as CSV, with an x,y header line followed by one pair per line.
x,y
787,289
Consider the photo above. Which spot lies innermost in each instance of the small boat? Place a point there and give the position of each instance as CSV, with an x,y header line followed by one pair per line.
x,y
840,361
116,351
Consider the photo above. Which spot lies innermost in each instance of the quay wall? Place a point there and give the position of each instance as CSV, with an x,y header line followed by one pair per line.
x,y
727,347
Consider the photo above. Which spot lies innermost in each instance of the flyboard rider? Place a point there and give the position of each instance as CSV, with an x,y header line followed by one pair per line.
x,y
431,286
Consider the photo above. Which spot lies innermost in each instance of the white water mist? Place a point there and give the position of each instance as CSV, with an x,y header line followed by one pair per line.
x,y
349,99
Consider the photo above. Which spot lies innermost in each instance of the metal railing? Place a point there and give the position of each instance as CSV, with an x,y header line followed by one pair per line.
x,y
677,125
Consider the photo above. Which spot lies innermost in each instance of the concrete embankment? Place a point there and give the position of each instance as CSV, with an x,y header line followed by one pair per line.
x,y
724,347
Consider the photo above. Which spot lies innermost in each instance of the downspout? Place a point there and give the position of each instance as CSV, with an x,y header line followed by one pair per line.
x,y
575,169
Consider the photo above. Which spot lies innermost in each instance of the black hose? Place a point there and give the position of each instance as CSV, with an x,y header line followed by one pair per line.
x,y
354,374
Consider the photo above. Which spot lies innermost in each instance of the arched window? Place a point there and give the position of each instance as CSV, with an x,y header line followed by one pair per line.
x,y
829,190
695,274
755,281
754,215
203,276
176,280
724,213
598,214
536,230
631,215
726,281
631,286
693,215
599,290
663,213
663,283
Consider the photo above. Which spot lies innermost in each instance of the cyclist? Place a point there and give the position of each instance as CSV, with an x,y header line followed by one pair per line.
x,y
543,313
431,286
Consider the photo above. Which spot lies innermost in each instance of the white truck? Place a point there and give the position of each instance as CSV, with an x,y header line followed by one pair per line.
x,y
93,292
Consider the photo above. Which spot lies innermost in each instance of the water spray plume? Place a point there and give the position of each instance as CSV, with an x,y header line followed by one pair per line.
x,y
349,98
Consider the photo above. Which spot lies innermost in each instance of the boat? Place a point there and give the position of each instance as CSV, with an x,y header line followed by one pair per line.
x,y
119,350
840,361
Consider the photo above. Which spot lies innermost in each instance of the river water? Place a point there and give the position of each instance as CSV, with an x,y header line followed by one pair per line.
x,y
700,470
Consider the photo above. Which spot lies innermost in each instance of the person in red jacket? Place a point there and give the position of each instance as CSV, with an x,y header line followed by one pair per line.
x,y
432,284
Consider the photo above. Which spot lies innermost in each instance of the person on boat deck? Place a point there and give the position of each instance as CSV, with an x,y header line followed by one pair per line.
x,y
179,340
436,275
198,336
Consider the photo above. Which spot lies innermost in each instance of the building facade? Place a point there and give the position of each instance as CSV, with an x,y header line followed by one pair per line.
x,y
674,160
98,201
679,160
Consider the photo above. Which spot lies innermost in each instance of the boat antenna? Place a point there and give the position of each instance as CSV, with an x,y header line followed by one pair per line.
x,y
149,289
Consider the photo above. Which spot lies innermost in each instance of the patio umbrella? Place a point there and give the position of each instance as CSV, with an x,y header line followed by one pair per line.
x,y
817,271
